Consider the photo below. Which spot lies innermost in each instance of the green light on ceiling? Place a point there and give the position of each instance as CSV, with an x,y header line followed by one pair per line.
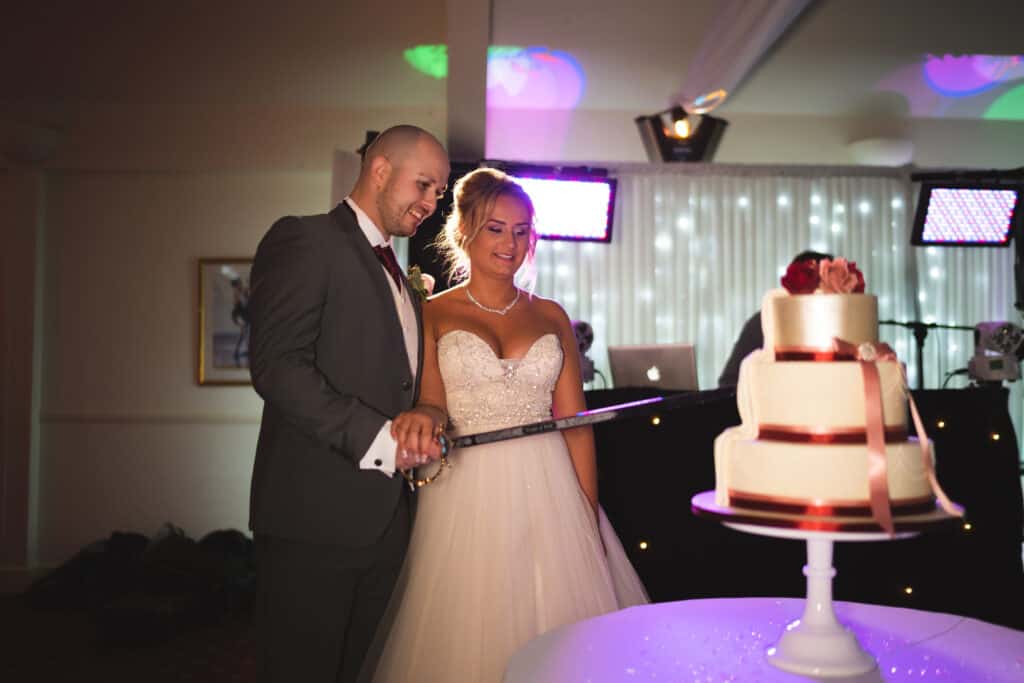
x,y
432,60
1008,107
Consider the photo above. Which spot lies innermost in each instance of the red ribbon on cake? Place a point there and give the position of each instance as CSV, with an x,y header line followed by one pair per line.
x,y
830,435
868,356
808,354
821,507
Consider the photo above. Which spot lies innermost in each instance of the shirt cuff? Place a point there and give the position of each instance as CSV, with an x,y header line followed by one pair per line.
x,y
380,455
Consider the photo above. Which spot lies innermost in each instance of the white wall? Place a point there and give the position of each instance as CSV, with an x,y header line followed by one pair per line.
x,y
129,440
22,194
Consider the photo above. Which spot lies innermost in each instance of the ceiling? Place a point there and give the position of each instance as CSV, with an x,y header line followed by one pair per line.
x,y
894,59
840,57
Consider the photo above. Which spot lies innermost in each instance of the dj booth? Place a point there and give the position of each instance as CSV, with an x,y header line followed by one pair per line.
x,y
649,469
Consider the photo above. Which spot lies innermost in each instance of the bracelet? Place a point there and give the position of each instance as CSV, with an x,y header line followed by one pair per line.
x,y
440,438
418,483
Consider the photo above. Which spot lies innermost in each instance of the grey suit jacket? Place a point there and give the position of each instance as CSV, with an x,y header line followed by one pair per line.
x,y
328,357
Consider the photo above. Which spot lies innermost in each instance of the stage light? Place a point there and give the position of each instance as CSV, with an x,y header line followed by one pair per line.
x,y
960,216
997,349
678,135
999,337
972,209
968,208
680,122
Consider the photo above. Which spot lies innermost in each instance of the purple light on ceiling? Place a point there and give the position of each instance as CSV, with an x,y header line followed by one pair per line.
x,y
966,75
533,78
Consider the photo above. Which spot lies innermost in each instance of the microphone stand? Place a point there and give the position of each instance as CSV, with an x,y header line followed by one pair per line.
x,y
920,333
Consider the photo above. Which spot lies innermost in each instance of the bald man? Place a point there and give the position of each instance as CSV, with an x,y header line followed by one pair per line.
x,y
335,353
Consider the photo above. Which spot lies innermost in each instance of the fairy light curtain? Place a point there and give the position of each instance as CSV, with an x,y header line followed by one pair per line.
x,y
695,246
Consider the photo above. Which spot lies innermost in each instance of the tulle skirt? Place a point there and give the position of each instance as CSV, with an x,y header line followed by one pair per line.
x,y
504,547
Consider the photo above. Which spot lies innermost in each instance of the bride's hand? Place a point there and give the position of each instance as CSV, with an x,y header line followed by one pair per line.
x,y
416,432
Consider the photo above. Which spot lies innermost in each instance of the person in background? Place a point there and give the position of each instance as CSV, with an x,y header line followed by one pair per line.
x,y
751,336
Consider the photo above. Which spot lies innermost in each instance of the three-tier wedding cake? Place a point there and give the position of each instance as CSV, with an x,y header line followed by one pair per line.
x,y
823,405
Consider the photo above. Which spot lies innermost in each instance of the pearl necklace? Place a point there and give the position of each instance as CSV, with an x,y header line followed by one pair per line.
x,y
499,311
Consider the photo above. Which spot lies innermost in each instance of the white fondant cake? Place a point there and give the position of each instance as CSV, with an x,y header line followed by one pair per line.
x,y
801,446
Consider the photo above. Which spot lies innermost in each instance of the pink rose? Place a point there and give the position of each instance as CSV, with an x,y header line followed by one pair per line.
x,y
839,277
428,282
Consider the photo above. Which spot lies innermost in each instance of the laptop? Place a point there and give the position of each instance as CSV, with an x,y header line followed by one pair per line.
x,y
664,366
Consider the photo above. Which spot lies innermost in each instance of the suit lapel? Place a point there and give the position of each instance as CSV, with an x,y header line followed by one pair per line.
x,y
417,306
384,299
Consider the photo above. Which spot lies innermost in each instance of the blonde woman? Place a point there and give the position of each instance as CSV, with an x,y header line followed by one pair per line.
x,y
510,541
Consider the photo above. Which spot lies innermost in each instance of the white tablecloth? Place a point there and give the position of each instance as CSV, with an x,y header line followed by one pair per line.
x,y
710,641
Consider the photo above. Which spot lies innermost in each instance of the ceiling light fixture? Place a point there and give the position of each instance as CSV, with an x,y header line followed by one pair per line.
x,y
678,135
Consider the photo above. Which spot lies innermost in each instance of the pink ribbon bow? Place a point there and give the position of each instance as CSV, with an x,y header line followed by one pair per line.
x,y
868,355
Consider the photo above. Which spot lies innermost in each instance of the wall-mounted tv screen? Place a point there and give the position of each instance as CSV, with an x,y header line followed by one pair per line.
x,y
959,215
570,205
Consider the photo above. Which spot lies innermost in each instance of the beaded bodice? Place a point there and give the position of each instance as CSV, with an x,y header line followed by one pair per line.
x,y
486,392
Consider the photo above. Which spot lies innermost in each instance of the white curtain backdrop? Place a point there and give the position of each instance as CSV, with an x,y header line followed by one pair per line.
x,y
695,246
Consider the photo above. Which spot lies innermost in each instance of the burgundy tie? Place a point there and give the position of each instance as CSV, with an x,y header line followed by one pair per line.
x,y
387,257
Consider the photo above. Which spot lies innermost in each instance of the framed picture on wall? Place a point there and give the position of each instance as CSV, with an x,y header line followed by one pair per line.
x,y
224,320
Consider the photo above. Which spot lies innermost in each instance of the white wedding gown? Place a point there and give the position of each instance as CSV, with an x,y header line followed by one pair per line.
x,y
505,545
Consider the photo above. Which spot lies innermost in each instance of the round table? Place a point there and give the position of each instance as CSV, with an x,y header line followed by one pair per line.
x,y
725,639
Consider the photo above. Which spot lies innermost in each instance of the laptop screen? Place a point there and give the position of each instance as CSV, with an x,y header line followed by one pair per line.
x,y
665,366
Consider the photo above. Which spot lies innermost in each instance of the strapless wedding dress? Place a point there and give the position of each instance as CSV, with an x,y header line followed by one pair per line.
x,y
505,545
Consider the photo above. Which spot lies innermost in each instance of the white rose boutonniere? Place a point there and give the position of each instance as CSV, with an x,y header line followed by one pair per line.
x,y
420,282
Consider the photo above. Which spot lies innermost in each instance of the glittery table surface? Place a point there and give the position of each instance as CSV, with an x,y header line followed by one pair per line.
x,y
719,640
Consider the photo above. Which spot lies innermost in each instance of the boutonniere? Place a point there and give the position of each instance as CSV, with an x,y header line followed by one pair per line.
x,y
420,282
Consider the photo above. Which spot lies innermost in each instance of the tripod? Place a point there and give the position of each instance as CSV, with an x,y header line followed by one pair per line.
x,y
920,333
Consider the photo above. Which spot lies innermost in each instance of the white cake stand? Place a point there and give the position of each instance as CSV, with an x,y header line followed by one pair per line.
x,y
816,644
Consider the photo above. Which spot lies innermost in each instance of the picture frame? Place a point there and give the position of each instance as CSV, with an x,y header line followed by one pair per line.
x,y
223,345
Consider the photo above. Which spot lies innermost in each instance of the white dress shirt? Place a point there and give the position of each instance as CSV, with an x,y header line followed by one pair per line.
x,y
382,450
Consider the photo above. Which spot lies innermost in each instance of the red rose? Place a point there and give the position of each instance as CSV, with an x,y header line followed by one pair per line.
x,y
801,277
859,288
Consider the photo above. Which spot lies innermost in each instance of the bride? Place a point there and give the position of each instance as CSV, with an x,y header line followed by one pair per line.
x,y
509,542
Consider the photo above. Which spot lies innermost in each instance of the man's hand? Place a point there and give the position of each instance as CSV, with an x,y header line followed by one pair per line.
x,y
416,432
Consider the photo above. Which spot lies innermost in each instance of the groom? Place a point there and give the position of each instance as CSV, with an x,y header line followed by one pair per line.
x,y
336,352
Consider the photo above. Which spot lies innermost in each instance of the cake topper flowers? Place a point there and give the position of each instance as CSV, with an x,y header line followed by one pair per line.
x,y
827,276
